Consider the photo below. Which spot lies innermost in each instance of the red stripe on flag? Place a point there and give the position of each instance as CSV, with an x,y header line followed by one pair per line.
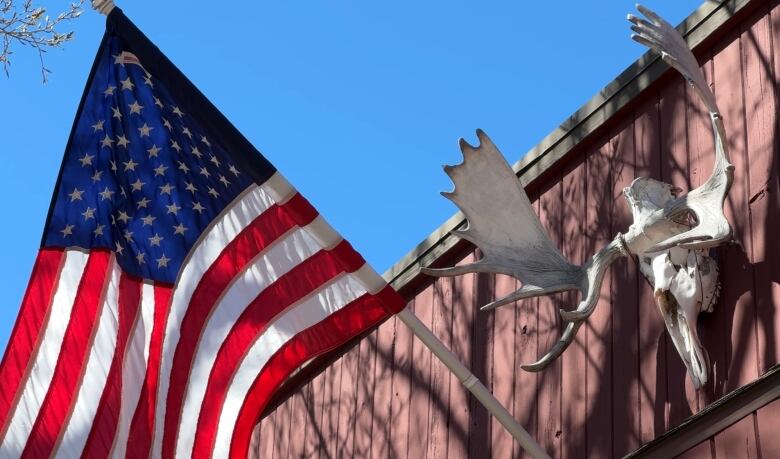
x,y
274,300
139,440
101,436
57,404
27,331
262,232
334,331
300,210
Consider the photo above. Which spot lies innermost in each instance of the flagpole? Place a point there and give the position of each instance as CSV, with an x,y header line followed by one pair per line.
x,y
473,384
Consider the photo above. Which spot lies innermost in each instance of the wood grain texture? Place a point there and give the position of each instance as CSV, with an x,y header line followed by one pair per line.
x,y
311,440
297,429
764,128
739,440
737,293
383,390
503,363
463,310
420,370
768,418
599,325
549,328
267,436
700,451
574,360
623,294
364,407
526,384
440,375
345,433
481,363
330,415
283,425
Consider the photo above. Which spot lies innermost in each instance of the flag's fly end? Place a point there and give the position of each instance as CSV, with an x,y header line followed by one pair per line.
x,y
103,6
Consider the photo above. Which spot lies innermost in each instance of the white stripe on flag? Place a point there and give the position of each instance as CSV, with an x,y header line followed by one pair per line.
x,y
303,315
37,385
99,361
134,369
276,261
213,241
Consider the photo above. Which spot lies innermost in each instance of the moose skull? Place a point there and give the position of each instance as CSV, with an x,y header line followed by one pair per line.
x,y
671,235
684,281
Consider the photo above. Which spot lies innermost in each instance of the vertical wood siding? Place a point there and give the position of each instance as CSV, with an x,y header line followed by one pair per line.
x,y
621,383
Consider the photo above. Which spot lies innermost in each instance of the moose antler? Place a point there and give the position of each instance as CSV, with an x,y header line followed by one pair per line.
x,y
704,204
503,225
669,233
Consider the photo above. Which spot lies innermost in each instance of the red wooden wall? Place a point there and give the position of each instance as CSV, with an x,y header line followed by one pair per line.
x,y
621,383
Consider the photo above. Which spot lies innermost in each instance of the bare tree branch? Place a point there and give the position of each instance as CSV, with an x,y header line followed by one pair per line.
x,y
29,25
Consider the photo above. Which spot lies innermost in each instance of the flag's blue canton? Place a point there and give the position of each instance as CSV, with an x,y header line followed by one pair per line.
x,y
140,177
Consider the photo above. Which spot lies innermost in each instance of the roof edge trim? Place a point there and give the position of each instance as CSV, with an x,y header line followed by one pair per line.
x,y
716,417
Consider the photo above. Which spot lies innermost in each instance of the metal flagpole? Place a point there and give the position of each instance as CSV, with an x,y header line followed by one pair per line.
x,y
473,384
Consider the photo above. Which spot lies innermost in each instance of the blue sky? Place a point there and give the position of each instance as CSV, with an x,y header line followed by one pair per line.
x,y
357,103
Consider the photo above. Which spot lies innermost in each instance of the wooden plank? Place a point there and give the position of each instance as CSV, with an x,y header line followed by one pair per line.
x,y
681,395
440,374
297,428
462,316
623,293
481,364
652,342
347,403
383,392
760,123
330,413
282,421
763,127
503,363
598,208
321,396
737,292
287,438
267,436
401,391
574,378
365,395
254,443
768,418
701,451
549,330
311,440
739,440
420,372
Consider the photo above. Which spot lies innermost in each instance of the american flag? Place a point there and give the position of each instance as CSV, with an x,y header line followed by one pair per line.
x,y
181,278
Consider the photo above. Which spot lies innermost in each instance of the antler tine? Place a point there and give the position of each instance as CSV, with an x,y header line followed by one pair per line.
x,y
567,337
660,36
595,269
705,202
